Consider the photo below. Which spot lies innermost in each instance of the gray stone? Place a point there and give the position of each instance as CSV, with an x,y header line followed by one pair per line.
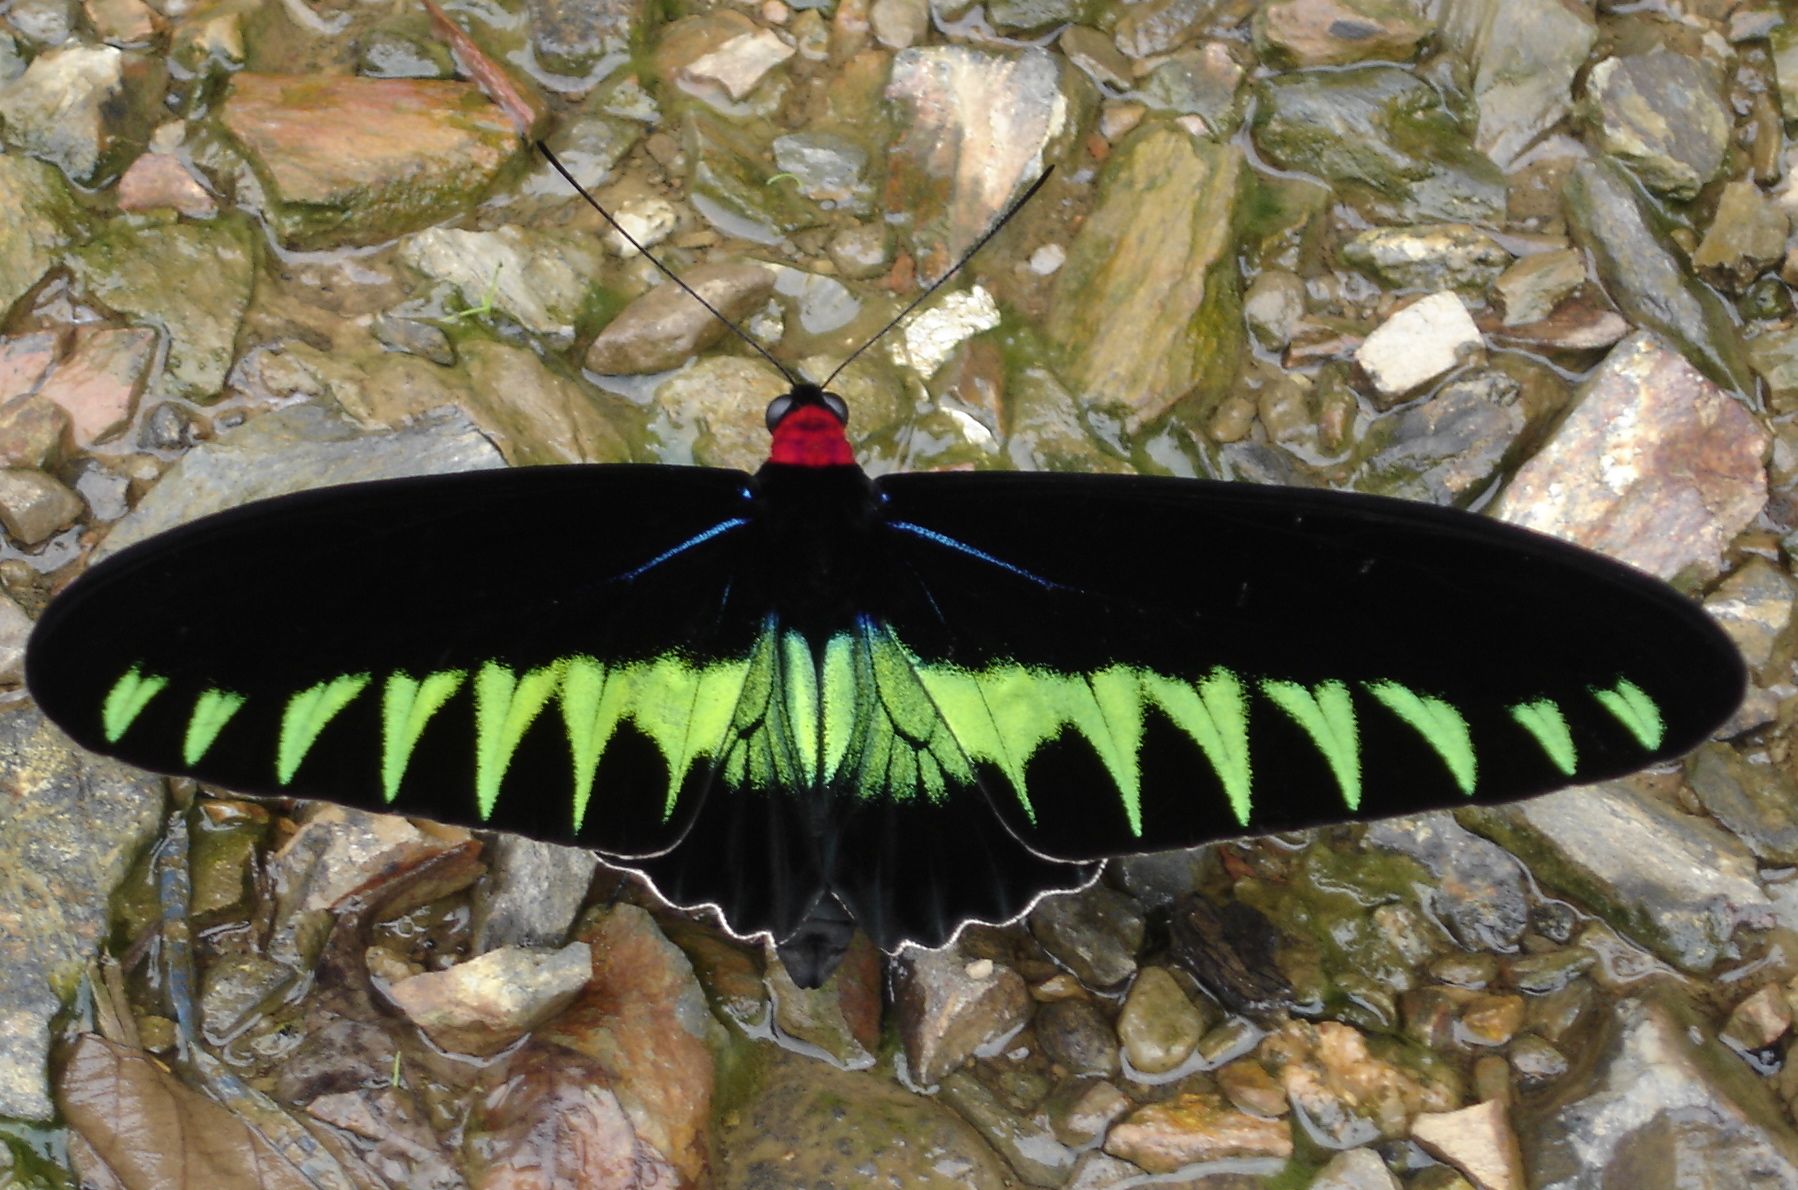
x,y
1429,257
949,1005
1356,1169
1535,285
34,507
88,110
1095,933
1524,55
1338,32
1663,114
290,450
578,37
15,628
665,327
1666,1106
1655,465
1074,1035
1449,448
1159,1026
1205,82
71,826
537,279
533,894
1478,888
38,218
828,169
1026,1143
1383,140
1754,801
1272,307
1674,883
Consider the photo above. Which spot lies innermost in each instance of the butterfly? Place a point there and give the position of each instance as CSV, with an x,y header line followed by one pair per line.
x,y
815,699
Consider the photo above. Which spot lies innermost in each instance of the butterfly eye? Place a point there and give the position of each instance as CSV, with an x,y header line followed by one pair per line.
x,y
838,407
778,409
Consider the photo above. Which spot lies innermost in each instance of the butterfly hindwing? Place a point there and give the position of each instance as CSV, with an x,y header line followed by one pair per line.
x,y
347,644
1143,664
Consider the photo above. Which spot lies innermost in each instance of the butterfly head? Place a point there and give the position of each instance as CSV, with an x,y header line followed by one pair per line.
x,y
807,424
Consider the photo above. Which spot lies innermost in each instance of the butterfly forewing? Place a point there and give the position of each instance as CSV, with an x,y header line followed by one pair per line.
x,y
540,650
1142,664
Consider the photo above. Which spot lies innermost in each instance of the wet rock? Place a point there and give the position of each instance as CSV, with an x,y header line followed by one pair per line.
x,y
1272,307
535,415
842,1017
1747,234
1026,15
899,24
1095,53
15,627
1524,55
1158,26
224,859
1204,82
1774,357
984,121
129,270
1247,1084
1159,1026
1752,801
1081,1110
1426,339
26,359
1340,1092
123,23
665,326
34,507
487,1003
1654,465
351,160
537,280
1025,1142
1536,1062
1383,139
1194,1127
71,825
1337,32
1662,114
735,185
1147,306
570,37
100,379
413,337
1076,1036
390,54
1535,285
804,1122
1663,1106
289,450
551,1118
1429,257
38,218
1479,890
85,109
1643,272
643,1018
948,1006
1477,1141
1449,448
1095,933
1098,1170
533,893
1759,1020
1674,883
158,180
1356,1169
828,169
862,250
238,988
1754,605
737,65
45,23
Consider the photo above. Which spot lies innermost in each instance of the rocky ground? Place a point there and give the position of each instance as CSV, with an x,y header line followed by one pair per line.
x,y
1526,256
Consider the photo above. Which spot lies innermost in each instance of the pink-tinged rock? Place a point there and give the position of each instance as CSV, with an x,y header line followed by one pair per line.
x,y
487,1003
1476,1140
1655,465
550,1121
157,180
1163,1137
645,1021
351,160
23,362
99,381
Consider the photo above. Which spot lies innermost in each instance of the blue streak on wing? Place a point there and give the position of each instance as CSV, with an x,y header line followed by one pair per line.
x,y
947,542
675,551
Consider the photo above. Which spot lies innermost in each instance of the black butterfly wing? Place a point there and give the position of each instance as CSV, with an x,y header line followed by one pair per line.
x,y
1133,664
551,651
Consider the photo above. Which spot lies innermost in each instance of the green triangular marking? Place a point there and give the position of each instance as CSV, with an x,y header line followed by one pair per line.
x,y
799,682
1635,710
1117,694
212,710
1215,714
839,707
1440,724
1327,714
406,706
1543,720
504,708
126,700
583,680
306,715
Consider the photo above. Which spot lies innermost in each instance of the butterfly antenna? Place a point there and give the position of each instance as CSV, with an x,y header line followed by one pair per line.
x,y
980,243
668,272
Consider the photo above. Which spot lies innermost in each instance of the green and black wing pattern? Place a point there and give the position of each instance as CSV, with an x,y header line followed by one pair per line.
x,y
1135,664
357,644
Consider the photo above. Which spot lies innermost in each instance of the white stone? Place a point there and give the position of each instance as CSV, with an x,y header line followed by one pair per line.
x,y
931,337
740,63
1426,339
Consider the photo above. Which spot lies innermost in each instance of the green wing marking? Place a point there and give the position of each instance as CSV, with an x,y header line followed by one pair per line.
x,y
212,710
407,705
1544,721
1215,714
1440,724
1635,710
884,734
505,706
1327,714
126,700
306,715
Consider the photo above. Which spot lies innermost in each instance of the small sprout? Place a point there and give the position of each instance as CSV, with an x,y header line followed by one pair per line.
x,y
485,307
